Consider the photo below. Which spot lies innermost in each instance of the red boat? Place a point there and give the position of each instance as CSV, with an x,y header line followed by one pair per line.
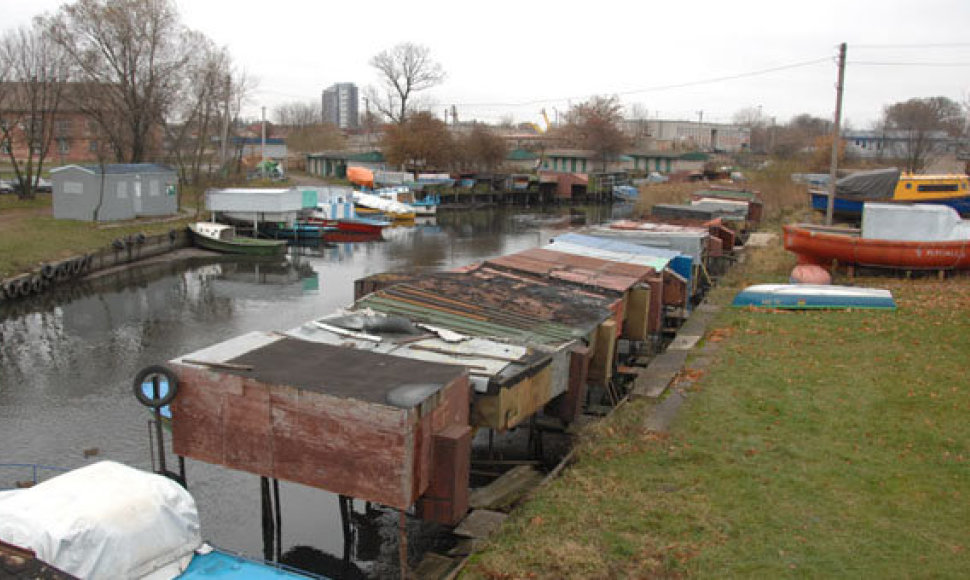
x,y
366,226
814,244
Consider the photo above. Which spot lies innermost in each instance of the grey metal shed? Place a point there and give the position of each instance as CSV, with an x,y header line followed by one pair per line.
x,y
114,192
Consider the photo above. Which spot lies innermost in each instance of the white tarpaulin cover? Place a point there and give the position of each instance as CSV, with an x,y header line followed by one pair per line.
x,y
105,520
921,222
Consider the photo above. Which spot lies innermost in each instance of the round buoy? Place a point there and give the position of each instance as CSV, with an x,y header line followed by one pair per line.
x,y
143,386
810,274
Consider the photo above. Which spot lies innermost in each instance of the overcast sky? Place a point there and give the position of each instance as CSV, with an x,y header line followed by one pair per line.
x,y
516,57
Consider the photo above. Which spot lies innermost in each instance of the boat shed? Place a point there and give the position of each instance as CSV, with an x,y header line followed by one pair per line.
x,y
366,425
550,318
693,241
640,288
256,204
114,192
678,269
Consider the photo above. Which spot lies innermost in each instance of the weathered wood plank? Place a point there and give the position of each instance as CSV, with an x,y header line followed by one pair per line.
x,y
505,490
657,377
480,524
435,566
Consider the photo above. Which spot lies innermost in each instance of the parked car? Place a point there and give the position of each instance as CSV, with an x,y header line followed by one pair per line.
x,y
5,187
42,186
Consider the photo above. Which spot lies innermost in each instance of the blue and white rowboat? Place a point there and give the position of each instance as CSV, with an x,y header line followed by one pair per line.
x,y
813,296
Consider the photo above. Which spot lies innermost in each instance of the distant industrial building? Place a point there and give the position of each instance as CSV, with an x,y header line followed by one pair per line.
x,y
340,105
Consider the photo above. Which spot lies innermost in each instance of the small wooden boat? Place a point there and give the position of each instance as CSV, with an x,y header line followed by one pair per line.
x,y
223,238
813,296
924,237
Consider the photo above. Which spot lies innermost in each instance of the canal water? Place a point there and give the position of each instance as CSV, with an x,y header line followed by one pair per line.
x,y
67,361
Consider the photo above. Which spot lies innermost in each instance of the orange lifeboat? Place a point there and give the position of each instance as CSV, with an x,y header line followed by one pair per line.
x,y
361,176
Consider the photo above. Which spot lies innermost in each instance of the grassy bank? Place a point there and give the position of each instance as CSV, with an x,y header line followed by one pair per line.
x,y
818,444
29,235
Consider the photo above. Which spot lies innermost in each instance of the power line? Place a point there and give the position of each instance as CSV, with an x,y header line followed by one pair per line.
x,y
933,64
663,87
923,45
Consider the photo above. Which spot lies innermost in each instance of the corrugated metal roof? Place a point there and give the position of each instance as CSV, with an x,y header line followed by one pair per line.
x,y
619,250
586,271
122,168
493,305
689,241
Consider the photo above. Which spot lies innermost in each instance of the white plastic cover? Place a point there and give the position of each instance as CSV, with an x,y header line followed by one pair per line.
x,y
105,520
921,222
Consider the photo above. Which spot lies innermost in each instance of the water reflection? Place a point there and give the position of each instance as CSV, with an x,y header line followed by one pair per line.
x,y
67,360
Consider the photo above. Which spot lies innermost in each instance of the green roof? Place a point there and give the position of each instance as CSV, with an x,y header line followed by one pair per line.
x,y
521,155
694,156
369,157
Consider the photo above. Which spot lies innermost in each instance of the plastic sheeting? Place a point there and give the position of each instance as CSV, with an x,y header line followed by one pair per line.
x,y
865,185
922,222
105,520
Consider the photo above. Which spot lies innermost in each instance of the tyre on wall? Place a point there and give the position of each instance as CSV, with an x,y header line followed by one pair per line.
x,y
11,289
48,270
24,287
140,238
118,244
143,386
77,265
37,284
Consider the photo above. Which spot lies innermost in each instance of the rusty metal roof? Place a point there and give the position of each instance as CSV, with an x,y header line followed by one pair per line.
x,y
490,304
581,270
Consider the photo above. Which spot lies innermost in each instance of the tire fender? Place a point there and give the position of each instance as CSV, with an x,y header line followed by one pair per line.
x,y
148,373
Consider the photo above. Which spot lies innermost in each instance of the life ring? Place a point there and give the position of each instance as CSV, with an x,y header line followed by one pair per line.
x,y
165,397
118,244
48,270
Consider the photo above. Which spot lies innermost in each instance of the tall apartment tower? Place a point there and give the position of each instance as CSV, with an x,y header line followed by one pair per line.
x,y
340,105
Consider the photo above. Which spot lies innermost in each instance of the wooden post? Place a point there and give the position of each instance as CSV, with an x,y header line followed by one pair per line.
x,y
836,135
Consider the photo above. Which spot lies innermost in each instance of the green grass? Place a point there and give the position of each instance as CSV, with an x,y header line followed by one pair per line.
x,y
29,235
818,444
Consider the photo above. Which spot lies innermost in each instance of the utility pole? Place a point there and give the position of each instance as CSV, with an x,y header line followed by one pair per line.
x,y
262,152
836,136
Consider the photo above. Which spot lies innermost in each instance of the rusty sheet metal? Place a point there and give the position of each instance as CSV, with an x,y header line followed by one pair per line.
x,y
347,421
582,270
520,311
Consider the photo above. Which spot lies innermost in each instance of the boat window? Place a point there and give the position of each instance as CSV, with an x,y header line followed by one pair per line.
x,y
909,186
938,187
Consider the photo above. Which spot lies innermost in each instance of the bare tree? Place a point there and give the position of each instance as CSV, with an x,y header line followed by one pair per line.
x,y
32,73
403,70
130,56
200,111
319,137
422,142
922,124
482,148
298,114
595,125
